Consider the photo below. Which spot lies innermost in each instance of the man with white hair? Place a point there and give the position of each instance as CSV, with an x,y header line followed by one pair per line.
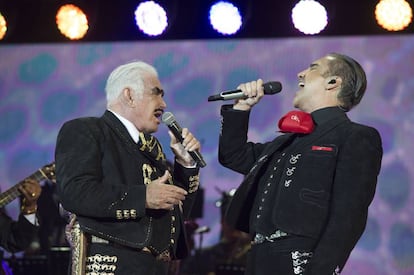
x,y
112,174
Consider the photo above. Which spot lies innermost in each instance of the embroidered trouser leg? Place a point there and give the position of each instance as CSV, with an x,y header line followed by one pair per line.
x,y
105,259
285,256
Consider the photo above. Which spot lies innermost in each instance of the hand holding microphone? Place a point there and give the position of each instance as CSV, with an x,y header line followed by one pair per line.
x,y
169,119
269,88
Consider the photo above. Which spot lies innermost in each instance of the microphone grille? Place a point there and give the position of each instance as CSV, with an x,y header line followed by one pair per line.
x,y
168,118
272,87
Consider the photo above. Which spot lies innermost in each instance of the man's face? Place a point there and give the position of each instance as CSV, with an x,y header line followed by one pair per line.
x,y
312,85
149,106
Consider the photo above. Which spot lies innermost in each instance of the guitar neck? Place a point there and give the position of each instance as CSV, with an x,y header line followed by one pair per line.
x,y
13,192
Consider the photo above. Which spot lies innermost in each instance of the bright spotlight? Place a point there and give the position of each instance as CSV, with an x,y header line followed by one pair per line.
x,y
151,18
3,26
393,15
72,22
309,16
225,18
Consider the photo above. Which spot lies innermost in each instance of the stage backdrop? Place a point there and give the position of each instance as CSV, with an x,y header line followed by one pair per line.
x,y
44,85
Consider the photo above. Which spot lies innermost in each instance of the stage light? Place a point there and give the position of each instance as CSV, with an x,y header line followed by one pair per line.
x,y
72,22
3,26
151,18
225,18
309,17
393,15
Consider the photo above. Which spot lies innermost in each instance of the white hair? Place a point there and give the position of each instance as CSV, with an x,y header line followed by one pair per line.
x,y
130,75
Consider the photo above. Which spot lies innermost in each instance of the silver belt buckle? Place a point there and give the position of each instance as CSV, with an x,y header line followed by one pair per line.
x,y
278,234
260,238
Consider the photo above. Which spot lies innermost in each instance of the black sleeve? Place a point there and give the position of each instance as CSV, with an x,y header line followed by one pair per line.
x,y
16,235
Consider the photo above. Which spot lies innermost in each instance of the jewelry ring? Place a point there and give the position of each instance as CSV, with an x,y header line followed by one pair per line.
x,y
33,194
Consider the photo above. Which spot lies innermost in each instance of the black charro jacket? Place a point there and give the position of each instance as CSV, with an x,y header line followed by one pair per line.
x,y
101,176
328,194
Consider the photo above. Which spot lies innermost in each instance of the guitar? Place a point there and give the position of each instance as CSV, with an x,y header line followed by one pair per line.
x,y
46,172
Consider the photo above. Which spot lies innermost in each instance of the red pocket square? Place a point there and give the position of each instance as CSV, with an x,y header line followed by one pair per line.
x,y
322,148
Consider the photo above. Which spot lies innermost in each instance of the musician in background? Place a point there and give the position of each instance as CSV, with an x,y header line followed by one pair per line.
x,y
17,235
228,256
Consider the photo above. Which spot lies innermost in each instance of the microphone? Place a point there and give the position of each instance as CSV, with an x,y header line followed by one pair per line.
x,y
270,88
201,230
169,119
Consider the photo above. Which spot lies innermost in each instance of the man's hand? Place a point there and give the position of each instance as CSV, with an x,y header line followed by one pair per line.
x,y
162,195
31,191
180,150
254,92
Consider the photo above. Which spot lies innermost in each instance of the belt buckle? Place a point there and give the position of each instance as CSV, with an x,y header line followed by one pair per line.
x,y
164,256
258,239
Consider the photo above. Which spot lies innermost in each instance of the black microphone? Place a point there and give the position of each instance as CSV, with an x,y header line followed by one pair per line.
x,y
270,88
169,119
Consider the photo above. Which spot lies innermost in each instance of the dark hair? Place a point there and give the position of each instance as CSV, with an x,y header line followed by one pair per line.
x,y
354,80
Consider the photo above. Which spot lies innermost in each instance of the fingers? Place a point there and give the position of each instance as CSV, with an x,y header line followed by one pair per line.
x,y
190,143
163,198
30,189
161,195
181,149
164,178
254,92
252,89
173,138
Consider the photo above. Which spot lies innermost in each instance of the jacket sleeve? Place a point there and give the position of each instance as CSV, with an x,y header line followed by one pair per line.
x,y
188,179
81,185
16,235
354,186
235,152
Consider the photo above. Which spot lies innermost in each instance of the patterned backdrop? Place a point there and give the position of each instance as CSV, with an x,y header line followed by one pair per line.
x,y
43,85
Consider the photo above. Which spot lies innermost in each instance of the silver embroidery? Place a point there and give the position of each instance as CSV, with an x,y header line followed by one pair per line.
x,y
299,261
78,243
298,269
101,264
294,159
287,183
290,171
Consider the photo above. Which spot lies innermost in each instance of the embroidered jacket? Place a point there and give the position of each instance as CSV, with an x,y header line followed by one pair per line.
x,y
101,177
324,194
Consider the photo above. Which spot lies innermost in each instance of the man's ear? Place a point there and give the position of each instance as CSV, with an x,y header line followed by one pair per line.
x,y
127,96
333,82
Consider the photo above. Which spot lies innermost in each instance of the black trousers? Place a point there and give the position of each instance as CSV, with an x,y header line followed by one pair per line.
x,y
284,256
107,259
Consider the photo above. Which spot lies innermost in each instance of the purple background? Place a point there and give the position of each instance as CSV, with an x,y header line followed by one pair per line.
x,y
43,85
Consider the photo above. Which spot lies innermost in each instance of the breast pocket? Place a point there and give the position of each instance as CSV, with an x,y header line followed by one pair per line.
x,y
317,167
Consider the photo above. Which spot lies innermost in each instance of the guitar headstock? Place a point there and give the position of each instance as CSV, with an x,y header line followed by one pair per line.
x,y
48,171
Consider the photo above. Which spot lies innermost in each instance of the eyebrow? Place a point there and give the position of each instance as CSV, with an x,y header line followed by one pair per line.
x,y
157,91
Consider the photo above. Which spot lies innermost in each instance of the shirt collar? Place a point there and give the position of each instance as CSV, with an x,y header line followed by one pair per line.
x,y
323,115
132,130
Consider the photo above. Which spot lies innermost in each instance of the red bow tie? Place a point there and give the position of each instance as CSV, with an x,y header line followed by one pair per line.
x,y
296,122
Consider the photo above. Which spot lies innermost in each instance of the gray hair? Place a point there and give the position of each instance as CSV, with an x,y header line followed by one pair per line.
x,y
130,75
354,80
